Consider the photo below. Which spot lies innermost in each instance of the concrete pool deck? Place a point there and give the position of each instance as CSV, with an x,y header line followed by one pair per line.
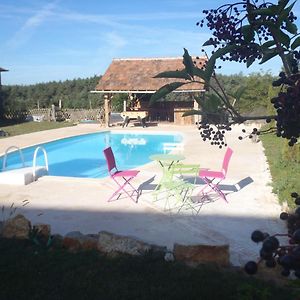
x,y
76,204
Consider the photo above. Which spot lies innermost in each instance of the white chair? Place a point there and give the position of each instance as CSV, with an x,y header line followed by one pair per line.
x,y
173,147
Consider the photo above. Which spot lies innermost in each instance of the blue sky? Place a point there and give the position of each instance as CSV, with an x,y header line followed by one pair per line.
x,y
64,39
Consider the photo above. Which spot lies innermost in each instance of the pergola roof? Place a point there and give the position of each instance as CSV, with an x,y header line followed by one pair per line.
x,y
136,76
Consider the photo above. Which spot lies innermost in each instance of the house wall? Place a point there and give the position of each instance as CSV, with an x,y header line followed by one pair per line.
x,y
166,111
180,120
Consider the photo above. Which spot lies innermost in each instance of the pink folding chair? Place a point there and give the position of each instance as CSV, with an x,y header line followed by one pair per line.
x,y
121,178
212,179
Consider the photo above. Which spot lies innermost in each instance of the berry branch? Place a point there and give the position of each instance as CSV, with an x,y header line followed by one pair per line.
x,y
245,32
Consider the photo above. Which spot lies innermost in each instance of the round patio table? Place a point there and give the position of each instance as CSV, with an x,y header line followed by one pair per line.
x,y
167,160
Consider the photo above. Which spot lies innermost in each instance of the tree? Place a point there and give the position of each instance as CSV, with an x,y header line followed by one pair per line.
x,y
2,99
247,31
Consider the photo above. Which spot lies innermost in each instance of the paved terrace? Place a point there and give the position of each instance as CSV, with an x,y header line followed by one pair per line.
x,y
71,204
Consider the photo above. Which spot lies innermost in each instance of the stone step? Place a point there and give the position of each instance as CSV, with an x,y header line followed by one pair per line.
x,y
22,176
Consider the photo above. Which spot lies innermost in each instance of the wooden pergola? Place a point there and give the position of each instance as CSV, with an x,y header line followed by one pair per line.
x,y
135,77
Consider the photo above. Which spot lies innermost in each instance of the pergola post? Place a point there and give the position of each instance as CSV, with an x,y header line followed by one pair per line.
x,y
196,107
107,110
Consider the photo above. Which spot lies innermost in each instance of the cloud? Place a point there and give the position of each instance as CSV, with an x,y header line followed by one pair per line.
x,y
29,27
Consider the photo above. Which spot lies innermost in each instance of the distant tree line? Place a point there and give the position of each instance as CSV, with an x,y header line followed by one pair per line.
x,y
72,94
256,93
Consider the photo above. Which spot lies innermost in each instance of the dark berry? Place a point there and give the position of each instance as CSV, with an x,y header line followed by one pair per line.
x,y
284,216
257,236
251,267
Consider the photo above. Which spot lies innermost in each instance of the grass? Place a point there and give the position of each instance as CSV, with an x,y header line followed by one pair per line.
x,y
284,167
28,272
13,128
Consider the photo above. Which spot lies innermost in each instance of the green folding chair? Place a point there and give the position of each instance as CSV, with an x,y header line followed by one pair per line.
x,y
178,189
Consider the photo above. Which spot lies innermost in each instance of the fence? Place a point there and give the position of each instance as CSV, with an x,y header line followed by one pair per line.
x,y
47,114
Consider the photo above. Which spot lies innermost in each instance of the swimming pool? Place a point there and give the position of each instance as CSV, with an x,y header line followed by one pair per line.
x,y
82,156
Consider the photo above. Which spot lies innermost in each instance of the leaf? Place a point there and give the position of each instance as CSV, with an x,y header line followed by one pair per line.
x,y
210,65
211,103
188,62
239,92
250,61
248,33
209,42
165,90
269,11
268,55
200,73
282,37
296,43
267,44
282,3
291,27
173,74
285,13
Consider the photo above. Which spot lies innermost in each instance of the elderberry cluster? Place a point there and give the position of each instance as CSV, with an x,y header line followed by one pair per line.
x,y
252,135
273,253
287,105
226,24
215,133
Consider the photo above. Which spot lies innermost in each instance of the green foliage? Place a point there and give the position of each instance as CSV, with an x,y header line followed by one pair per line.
x,y
291,154
284,167
7,213
27,127
29,272
211,103
73,94
118,102
251,92
165,90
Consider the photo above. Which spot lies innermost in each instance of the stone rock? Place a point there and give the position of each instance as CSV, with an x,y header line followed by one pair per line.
x,y
113,244
43,230
90,242
3,133
16,227
169,256
272,274
57,241
202,254
75,241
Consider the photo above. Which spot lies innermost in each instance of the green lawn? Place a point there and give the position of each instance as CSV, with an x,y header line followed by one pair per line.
x,y
284,166
13,128
29,272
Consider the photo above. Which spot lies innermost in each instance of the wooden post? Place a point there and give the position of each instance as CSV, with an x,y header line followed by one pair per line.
x,y
53,117
106,110
124,105
196,107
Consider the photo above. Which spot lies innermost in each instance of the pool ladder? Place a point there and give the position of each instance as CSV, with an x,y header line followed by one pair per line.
x,y
34,166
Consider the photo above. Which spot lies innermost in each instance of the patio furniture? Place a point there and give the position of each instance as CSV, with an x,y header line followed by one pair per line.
x,y
121,178
173,147
166,161
212,178
172,183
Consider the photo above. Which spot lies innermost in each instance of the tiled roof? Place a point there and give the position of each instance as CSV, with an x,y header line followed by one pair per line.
x,y
137,75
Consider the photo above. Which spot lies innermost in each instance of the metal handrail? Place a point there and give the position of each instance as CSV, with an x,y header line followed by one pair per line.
x,y
6,153
34,160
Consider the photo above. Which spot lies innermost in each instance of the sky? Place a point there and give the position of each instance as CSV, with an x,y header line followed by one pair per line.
x,y
56,40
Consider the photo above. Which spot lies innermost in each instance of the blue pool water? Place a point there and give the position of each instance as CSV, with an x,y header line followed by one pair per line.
x,y
82,156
